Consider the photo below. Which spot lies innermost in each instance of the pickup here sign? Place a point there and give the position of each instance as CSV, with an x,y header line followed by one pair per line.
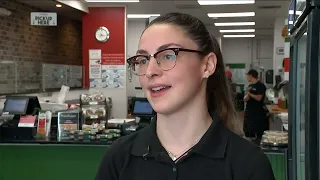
x,y
43,19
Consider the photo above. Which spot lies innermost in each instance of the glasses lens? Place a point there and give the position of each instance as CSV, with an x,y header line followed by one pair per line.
x,y
166,59
139,65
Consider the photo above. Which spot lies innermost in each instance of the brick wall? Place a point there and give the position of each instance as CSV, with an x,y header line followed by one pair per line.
x,y
28,46
20,41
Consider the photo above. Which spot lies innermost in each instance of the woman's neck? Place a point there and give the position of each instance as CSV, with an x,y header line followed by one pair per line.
x,y
182,129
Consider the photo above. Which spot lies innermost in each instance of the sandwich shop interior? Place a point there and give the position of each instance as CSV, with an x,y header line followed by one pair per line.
x,y
67,93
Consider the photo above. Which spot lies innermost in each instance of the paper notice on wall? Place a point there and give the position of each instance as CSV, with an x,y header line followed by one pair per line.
x,y
113,76
113,59
94,54
95,69
95,83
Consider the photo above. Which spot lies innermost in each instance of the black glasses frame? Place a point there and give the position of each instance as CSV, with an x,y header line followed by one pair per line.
x,y
175,50
131,60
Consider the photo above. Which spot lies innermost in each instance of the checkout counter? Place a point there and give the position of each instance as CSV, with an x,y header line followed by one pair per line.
x,y
18,118
275,142
23,155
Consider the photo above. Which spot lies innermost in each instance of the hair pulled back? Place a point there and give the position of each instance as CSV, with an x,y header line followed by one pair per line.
x,y
219,98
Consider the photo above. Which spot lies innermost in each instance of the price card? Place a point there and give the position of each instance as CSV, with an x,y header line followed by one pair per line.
x,y
27,121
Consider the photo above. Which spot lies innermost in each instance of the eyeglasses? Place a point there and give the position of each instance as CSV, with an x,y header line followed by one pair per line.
x,y
166,60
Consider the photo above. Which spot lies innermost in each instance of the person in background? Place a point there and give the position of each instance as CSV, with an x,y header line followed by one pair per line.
x,y
181,72
255,118
232,85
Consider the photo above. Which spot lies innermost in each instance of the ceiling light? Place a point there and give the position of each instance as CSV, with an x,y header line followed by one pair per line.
x,y
58,5
113,1
224,2
237,30
297,12
235,24
240,14
235,36
141,15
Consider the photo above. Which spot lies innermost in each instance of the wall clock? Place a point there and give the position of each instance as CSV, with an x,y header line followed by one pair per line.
x,y
102,34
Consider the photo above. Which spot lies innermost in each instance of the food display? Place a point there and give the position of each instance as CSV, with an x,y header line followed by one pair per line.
x,y
275,138
93,112
91,133
94,108
99,98
93,127
96,98
85,98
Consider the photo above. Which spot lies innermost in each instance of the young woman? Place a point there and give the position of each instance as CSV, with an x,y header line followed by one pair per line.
x,y
182,74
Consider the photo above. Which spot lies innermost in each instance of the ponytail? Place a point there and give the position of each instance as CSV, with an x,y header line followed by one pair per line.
x,y
219,96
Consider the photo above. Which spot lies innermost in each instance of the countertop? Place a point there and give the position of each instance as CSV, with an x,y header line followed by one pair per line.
x,y
275,109
54,142
48,142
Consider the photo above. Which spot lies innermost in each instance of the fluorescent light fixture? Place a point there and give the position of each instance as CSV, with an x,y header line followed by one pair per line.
x,y
235,24
236,36
58,5
239,14
237,30
297,12
113,1
225,2
137,16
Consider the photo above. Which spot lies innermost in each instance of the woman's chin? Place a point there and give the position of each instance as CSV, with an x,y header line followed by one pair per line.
x,y
162,109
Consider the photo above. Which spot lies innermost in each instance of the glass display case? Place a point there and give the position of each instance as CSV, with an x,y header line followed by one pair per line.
x,y
301,5
300,9
304,89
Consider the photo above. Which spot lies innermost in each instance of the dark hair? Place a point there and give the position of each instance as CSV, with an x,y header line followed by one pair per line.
x,y
219,99
253,73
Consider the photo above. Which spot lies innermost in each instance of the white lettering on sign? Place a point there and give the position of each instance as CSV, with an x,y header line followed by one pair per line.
x,y
43,19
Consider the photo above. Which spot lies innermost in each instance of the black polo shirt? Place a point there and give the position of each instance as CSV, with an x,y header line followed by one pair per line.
x,y
220,154
254,107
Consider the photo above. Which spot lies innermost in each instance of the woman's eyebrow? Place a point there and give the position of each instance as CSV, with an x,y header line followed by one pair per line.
x,y
165,46
141,51
162,47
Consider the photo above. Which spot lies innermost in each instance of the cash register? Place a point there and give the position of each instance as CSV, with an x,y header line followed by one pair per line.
x,y
14,108
143,110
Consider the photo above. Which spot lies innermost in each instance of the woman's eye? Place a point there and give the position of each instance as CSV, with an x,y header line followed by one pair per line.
x,y
169,56
143,61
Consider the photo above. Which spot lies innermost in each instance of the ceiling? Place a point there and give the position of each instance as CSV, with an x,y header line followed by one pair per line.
x,y
266,11
50,5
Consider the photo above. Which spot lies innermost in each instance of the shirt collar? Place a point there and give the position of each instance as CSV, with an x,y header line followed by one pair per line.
x,y
213,144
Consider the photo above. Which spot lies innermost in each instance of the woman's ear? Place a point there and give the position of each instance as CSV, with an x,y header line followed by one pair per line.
x,y
210,63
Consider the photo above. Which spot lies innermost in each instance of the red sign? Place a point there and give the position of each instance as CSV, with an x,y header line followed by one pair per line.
x,y
286,64
112,59
112,51
27,121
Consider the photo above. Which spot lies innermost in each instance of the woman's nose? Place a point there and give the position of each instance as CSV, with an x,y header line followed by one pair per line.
x,y
153,68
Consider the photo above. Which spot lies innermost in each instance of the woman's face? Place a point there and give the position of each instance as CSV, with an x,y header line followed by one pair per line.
x,y
170,90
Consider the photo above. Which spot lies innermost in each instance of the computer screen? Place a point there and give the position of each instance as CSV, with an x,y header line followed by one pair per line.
x,y
15,105
142,107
